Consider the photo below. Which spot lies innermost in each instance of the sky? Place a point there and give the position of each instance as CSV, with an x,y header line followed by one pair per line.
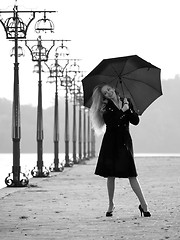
x,y
97,29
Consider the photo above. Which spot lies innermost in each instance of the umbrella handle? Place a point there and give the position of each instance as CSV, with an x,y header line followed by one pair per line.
x,y
122,88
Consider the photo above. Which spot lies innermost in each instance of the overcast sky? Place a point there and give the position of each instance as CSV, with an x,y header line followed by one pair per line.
x,y
97,29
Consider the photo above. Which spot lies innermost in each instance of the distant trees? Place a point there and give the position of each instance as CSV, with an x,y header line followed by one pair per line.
x,y
158,131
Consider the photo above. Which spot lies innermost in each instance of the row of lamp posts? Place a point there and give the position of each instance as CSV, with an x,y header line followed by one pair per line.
x,y
67,75
16,30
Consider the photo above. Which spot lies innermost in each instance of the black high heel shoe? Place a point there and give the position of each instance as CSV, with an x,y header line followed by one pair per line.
x,y
110,214
146,214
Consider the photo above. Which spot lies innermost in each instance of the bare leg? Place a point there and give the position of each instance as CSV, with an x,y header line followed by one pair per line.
x,y
137,189
111,187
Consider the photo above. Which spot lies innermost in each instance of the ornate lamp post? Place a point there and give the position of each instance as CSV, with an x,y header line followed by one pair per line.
x,y
79,98
74,69
39,54
67,82
16,29
84,135
88,135
56,72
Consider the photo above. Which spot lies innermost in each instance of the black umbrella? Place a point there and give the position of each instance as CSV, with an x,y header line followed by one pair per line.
x,y
132,76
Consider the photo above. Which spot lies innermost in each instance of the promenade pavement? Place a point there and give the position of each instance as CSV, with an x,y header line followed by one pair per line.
x,y
72,204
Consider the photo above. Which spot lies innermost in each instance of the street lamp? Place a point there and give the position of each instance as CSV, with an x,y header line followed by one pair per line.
x,y
20,52
16,29
84,135
39,54
79,97
56,72
88,135
44,24
66,82
74,69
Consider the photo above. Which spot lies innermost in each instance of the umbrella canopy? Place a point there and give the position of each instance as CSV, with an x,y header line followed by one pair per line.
x,y
132,76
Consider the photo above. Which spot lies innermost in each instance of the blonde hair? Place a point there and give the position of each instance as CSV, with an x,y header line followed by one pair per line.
x,y
96,111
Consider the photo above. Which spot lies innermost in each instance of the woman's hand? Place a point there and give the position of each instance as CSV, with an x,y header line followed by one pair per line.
x,y
103,108
126,105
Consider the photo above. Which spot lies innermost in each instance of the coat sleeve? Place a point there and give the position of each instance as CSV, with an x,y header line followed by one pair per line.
x,y
132,115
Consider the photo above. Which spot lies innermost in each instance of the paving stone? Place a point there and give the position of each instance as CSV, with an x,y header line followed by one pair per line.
x,y
72,204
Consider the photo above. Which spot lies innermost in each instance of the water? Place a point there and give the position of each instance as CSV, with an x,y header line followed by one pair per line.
x,y
27,162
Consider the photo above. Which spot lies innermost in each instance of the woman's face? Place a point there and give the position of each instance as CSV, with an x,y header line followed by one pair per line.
x,y
108,92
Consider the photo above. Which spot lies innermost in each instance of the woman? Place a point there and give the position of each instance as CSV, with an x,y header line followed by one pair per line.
x,y
116,153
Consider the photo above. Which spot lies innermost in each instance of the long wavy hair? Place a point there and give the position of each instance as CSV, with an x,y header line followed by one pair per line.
x,y
96,110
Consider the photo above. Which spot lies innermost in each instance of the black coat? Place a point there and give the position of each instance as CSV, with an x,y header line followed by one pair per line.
x,y
116,153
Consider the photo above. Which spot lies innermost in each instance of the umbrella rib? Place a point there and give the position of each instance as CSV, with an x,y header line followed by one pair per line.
x,y
129,92
112,78
131,71
118,75
140,82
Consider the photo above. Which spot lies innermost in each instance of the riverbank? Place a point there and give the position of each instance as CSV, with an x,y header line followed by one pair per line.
x,y
72,205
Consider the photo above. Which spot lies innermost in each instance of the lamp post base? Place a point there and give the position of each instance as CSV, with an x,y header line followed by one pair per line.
x,y
44,172
75,160
23,180
86,158
56,167
69,164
